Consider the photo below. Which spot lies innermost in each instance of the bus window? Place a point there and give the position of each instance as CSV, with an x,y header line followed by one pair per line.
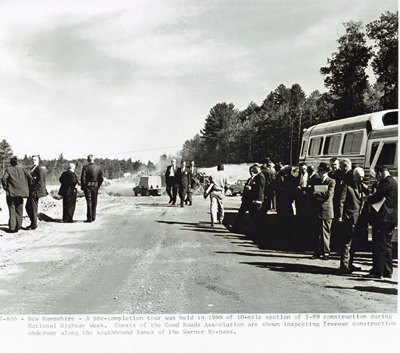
x,y
302,148
352,143
315,146
391,118
387,155
332,144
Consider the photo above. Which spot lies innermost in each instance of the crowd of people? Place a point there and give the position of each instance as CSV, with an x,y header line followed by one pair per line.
x,y
20,183
180,180
332,199
329,199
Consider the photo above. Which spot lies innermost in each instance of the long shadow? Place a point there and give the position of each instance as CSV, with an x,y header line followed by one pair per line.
x,y
291,234
275,233
199,227
153,205
391,291
186,223
385,280
274,255
300,268
6,229
45,218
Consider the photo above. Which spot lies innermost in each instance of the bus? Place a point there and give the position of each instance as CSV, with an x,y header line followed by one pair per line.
x,y
367,140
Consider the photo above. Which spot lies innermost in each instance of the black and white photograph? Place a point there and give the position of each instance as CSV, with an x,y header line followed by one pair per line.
x,y
198,176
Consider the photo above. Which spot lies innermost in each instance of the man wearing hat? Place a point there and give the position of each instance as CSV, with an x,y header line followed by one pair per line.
x,y
16,182
323,194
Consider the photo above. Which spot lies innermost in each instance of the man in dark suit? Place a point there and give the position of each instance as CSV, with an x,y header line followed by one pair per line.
x,y
37,189
323,194
384,201
269,175
252,200
170,180
192,183
351,202
338,169
91,180
68,180
182,177
15,182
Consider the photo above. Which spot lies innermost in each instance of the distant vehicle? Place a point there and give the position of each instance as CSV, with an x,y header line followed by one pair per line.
x,y
148,185
237,188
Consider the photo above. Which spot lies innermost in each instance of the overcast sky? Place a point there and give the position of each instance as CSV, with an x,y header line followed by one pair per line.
x,y
137,78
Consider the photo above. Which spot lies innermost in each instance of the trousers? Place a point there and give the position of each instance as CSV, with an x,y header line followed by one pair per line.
x,y
16,210
32,206
217,207
91,194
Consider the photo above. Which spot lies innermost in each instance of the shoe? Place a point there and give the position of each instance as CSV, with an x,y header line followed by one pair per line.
x,y
190,204
387,275
174,203
325,257
212,224
87,221
170,201
182,205
186,202
315,257
30,227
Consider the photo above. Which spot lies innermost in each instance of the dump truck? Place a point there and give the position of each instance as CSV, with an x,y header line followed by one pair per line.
x,y
148,185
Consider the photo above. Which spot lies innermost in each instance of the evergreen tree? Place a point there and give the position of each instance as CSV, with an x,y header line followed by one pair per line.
x,y
345,76
386,60
6,153
216,139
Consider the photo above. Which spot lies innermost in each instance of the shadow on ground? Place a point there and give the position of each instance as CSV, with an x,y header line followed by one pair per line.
x,y
290,234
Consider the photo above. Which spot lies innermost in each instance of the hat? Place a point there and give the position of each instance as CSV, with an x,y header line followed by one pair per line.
x,y
14,160
324,166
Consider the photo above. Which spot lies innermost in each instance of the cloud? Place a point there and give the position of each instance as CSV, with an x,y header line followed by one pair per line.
x,y
133,75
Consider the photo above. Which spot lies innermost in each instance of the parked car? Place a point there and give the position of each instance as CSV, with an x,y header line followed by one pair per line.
x,y
148,185
237,188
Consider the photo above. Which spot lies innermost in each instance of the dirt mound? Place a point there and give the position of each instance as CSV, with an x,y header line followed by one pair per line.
x,y
234,171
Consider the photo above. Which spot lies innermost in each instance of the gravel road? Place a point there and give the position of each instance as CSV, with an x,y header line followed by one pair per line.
x,y
142,256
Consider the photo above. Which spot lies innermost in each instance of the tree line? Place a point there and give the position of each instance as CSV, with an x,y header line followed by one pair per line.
x,y
274,128
112,168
